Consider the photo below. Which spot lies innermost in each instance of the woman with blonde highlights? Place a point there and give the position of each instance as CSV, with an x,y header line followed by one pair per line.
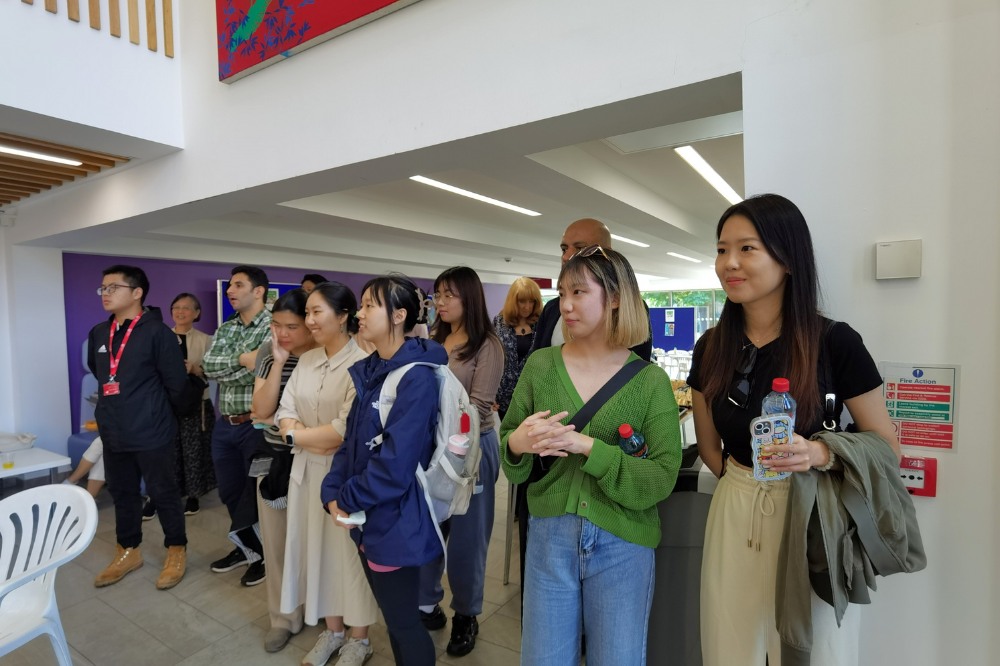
x,y
594,522
515,326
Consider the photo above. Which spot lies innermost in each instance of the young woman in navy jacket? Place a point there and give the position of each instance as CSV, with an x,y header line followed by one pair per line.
x,y
379,477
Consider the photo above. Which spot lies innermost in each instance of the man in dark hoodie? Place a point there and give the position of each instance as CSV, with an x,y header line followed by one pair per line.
x,y
140,374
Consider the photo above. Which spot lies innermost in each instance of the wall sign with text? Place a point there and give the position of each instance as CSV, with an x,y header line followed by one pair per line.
x,y
921,400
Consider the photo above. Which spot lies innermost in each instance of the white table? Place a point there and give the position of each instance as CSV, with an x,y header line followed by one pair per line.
x,y
35,460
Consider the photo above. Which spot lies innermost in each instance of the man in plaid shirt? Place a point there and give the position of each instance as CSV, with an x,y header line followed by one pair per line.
x,y
230,361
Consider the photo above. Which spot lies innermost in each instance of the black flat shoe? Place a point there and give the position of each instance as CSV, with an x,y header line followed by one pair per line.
x,y
434,620
464,629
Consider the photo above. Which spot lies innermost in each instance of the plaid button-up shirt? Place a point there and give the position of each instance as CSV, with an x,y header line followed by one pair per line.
x,y
222,360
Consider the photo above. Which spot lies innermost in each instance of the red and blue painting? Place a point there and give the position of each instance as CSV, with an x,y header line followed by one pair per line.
x,y
256,33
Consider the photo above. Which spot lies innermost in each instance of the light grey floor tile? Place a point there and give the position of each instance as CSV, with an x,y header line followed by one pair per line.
x,y
244,646
73,585
231,605
39,652
501,630
175,623
105,636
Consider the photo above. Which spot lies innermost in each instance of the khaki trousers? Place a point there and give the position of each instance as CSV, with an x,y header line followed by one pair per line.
x,y
273,524
739,566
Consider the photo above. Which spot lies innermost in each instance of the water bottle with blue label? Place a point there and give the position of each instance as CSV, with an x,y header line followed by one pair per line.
x,y
779,400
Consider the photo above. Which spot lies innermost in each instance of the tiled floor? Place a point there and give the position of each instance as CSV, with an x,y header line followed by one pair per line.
x,y
210,619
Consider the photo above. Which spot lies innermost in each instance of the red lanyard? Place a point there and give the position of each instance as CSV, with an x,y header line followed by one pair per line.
x,y
113,359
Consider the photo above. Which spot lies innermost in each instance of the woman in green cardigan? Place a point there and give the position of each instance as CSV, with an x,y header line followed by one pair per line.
x,y
594,523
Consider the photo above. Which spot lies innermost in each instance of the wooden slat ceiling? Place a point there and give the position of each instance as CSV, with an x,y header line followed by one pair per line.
x,y
21,177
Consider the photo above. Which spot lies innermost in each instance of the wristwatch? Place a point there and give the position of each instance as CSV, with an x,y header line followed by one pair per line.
x,y
290,438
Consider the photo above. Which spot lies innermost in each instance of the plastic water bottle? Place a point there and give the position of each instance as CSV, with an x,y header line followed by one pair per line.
x,y
779,400
631,442
439,484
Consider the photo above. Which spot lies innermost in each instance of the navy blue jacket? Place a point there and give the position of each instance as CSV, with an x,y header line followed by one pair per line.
x,y
152,378
381,479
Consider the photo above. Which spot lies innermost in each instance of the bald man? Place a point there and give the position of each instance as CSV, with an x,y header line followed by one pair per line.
x,y
578,235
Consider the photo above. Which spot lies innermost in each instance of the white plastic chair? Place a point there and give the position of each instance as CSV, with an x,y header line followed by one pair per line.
x,y
41,529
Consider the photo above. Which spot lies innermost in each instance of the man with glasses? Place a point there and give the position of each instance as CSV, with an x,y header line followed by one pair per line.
x,y
141,378
230,361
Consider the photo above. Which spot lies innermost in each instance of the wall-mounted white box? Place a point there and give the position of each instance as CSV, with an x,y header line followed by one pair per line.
x,y
898,259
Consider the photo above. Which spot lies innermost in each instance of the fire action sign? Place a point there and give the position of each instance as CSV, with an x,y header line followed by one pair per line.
x,y
921,403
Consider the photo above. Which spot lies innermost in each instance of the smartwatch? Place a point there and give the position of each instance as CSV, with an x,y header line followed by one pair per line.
x,y
290,438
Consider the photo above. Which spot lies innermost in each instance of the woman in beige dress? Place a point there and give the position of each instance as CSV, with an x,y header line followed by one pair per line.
x,y
322,571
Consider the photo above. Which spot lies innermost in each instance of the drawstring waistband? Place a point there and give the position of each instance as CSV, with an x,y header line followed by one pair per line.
x,y
763,505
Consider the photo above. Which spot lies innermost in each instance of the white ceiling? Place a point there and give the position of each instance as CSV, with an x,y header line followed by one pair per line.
x,y
371,218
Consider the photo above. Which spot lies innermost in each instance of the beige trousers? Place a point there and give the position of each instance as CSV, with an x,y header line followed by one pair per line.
x,y
739,566
273,525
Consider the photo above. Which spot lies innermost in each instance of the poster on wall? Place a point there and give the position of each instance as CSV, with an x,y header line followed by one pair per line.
x,y
921,403
253,34
225,308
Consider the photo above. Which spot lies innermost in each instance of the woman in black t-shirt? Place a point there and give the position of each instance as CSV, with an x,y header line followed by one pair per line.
x,y
770,327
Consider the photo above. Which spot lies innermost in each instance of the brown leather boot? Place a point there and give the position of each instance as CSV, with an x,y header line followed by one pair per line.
x,y
126,561
173,569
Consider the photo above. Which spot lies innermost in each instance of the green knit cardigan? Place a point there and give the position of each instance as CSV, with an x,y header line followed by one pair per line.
x,y
611,489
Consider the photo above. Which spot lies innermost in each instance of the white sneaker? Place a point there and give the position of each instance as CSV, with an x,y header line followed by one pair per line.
x,y
355,653
326,645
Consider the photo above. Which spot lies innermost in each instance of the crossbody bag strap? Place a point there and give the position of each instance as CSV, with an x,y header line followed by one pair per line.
x,y
612,386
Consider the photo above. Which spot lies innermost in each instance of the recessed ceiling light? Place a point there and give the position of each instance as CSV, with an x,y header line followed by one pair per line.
x,y
39,156
705,170
629,241
684,257
472,195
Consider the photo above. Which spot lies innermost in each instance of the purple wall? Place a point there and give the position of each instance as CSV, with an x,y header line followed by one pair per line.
x,y
167,278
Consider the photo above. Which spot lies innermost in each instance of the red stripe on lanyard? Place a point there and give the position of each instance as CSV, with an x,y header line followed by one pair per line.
x,y
113,359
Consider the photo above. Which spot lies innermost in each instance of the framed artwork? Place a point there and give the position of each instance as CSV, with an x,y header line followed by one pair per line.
x,y
253,34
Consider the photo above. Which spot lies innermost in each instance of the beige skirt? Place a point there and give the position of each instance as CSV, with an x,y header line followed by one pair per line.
x,y
322,570
739,566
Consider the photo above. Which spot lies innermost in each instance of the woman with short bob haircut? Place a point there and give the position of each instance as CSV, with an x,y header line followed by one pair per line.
x,y
625,317
593,515
770,328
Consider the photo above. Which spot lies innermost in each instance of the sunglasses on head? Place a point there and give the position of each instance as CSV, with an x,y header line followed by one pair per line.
x,y
739,392
590,251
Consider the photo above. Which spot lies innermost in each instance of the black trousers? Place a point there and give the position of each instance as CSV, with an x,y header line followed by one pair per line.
x,y
124,472
396,593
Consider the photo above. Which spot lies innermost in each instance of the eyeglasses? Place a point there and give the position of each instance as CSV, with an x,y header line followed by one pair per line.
x,y
109,289
591,250
440,297
739,392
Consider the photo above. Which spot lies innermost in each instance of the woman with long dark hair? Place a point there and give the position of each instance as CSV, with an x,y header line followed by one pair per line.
x,y
770,327
476,357
322,574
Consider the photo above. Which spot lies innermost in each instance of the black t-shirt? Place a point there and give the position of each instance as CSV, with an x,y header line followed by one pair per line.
x,y
853,372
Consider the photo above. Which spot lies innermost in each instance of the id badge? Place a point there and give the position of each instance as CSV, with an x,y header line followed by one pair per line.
x,y
112,388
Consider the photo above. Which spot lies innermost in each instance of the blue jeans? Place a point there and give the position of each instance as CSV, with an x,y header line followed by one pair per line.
x,y
232,448
468,537
582,579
